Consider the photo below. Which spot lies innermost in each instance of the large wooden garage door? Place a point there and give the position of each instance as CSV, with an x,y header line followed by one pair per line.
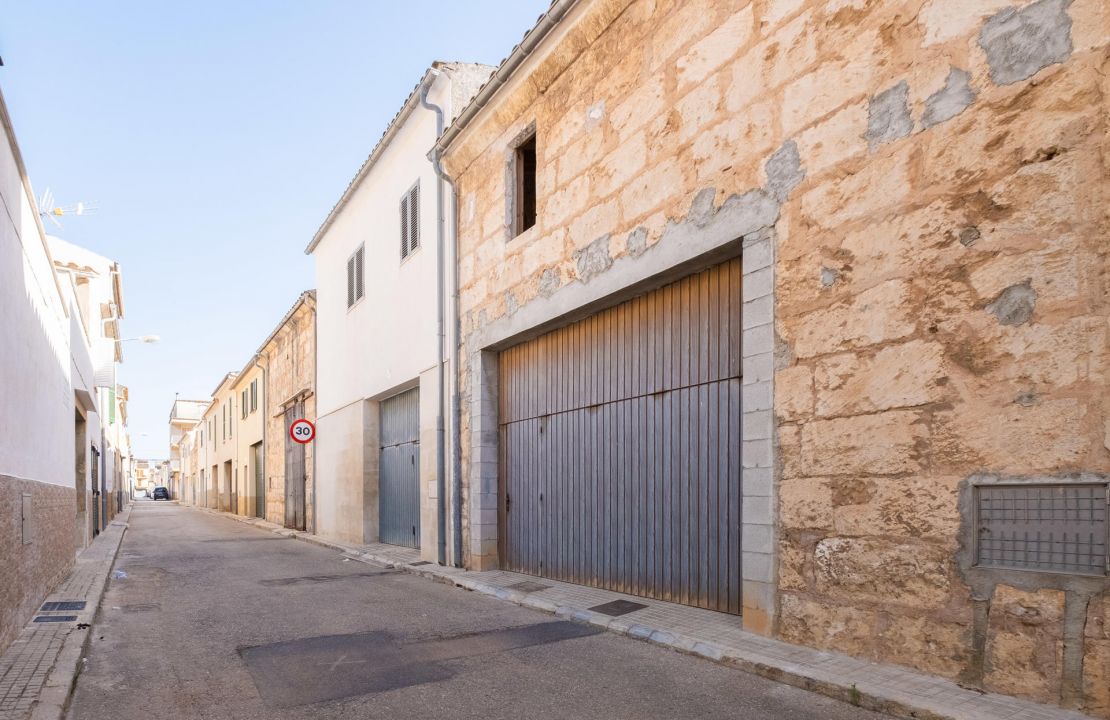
x,y
620,446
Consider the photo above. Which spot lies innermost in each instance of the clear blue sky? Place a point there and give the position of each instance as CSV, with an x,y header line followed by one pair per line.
x,y
215,137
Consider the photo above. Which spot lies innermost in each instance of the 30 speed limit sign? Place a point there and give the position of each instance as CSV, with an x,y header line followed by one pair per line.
x,y
302,431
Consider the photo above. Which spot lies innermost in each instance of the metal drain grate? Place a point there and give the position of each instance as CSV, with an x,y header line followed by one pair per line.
x,y
55,618
1053,528
68,605
618,607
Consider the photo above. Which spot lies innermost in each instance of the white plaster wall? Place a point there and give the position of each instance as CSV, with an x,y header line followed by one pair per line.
x,y
343,452
36,400
387,340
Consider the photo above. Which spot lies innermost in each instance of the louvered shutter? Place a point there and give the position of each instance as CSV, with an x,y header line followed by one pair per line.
x,y
358,273
405,226
414,217
350,282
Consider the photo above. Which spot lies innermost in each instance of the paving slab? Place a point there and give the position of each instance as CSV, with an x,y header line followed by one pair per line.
x,y
38,669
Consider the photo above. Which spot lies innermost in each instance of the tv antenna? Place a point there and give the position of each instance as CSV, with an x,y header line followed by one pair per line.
x,y
49,211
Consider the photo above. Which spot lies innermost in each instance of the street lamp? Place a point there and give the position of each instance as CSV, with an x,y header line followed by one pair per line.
x,y
143,338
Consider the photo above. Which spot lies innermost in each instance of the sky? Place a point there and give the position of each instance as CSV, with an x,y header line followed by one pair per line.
x,y
214,138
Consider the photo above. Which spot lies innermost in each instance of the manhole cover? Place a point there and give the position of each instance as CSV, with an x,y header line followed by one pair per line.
x,y
55,618
617,608
303,672
70,605
529,586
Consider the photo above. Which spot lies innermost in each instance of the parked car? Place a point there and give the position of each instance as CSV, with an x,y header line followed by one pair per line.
x,y
161,493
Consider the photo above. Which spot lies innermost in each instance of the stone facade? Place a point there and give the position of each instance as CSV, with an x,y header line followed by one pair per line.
x,y
920,188
36,556
289,359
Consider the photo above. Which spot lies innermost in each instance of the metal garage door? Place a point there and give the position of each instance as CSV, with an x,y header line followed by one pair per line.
x,y
399,470
620,446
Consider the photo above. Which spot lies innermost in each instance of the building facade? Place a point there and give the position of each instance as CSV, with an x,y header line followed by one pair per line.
x,y
185,415
378,268
221,453
288,361
249,406
63,443
782,307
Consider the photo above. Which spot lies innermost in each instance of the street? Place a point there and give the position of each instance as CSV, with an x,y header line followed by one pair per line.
x,y
209,618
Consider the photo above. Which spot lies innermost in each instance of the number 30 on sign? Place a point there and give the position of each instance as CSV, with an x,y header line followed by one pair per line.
x,y
302,431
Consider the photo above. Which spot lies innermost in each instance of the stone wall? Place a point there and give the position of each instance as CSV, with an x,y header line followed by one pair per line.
x,y
30,571
932,177
290,360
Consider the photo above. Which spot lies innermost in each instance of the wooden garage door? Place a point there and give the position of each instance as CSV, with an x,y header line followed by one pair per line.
x,y
620,446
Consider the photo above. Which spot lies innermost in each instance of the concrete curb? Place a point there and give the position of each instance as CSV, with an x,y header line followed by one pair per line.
x,y
867,694
53,700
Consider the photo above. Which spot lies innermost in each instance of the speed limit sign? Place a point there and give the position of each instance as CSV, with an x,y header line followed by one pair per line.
x,y
302,431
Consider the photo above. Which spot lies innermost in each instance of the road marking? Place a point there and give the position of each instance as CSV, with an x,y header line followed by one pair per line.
x,y
341,661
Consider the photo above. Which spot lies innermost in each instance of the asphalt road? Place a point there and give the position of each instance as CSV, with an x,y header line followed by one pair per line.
x,y
208,618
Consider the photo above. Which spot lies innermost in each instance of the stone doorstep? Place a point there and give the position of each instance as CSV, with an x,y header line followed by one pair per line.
x,y
890,689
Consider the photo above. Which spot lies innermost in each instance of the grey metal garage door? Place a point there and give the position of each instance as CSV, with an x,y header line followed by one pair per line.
x,y
399,470
620,446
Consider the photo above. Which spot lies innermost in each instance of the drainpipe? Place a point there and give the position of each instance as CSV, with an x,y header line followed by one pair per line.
x,y
441,461
456,409
316,402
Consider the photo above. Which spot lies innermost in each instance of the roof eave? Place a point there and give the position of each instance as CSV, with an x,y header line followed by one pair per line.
x,y
394,126
532,40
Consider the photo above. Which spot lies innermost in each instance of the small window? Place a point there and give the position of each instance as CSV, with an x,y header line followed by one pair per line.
x,y
1050,528
524,194
243,402
354,277
254,394
410,221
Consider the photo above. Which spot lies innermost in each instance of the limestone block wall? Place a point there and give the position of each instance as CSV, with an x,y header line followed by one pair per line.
x,y
932,178
290,359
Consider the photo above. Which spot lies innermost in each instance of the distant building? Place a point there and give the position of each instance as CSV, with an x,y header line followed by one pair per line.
x,y
184,416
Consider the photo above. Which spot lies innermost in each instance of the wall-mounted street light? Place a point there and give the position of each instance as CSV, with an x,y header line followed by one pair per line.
x,y
143,338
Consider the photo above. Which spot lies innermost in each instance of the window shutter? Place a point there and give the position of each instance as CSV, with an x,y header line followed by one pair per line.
x,y
414,217
350,282
405,226
358,273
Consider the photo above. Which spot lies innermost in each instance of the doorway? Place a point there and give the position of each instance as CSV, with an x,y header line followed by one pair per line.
x,y
259,481
294,471
80,478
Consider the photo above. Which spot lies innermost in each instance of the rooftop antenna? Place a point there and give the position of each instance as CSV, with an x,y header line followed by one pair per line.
x,y
49,211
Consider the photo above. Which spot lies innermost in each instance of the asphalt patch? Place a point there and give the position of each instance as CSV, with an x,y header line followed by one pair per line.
x,y
314,579
331,667
246,539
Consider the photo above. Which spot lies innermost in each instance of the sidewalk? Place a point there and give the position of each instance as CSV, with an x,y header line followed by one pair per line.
x,y
38,669
891,689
